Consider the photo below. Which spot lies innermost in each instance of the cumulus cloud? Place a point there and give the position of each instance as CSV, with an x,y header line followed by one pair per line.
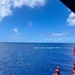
x,y
29,3
7,5
16,31
5,8
16,34
58,34
71,19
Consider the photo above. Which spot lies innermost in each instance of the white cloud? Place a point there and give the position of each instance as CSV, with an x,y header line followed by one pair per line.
x,y
29,3
71,19
16,34
16,31
58,34
16,37
29,25
7,5
48,40
5,8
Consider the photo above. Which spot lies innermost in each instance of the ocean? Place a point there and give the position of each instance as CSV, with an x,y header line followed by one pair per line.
x,y
36,58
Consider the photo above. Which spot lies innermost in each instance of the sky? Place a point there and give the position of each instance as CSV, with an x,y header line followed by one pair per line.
x,y
47,21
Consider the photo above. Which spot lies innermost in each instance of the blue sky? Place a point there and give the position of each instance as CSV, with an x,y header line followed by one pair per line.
x,y
36,21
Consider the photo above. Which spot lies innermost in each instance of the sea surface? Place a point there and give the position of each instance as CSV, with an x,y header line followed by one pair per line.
x,y
36,58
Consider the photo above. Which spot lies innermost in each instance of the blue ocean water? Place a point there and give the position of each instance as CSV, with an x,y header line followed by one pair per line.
x,y
36,58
